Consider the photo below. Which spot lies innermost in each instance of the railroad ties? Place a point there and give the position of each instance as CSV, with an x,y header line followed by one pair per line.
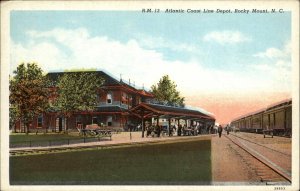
x,y
268,172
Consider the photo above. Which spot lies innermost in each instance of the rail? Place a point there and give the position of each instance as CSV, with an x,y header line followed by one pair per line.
x,y
261,145
272,167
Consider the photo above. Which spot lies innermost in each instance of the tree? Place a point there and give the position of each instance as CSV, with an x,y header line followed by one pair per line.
x,y
77,91
28,93
14,116
165,91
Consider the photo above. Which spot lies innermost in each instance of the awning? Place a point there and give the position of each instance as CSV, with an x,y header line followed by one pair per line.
x,y
146,110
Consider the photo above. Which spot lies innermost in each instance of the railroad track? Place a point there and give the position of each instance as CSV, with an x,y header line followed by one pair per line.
x,y
286,154
267,172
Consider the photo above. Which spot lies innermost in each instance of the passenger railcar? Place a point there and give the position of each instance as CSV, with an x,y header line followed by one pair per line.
x,y
276,117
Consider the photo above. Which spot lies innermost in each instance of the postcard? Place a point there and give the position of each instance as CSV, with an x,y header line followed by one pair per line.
x,y
164,95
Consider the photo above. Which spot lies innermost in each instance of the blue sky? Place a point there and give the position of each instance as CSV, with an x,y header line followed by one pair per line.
x,y
242,52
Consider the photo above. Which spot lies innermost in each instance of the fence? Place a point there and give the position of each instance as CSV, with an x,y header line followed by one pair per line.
x,y
45,143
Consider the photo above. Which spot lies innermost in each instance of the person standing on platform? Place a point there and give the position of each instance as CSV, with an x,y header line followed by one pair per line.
x,y
158,130
220,129
227,129
179,130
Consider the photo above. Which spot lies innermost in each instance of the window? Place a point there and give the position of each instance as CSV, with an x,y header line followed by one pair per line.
x,y
40,121
22,126
109,98
109,121
78,122
138,100
95,120
98,97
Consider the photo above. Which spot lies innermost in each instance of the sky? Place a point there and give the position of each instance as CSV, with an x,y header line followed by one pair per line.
x,y
227,64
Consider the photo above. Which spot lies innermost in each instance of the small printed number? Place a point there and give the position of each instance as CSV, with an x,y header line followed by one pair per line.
x,y
279,188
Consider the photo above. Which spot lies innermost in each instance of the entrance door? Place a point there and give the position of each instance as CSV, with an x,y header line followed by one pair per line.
x,y
60,124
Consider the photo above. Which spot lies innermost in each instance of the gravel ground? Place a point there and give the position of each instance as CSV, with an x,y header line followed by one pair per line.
x,y
227,166
282,144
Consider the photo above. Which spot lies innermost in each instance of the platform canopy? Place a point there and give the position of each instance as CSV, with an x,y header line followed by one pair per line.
x,y
147,110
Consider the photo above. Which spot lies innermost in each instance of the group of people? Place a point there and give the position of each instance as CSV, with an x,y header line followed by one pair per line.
x,y
158,130
220,129
132,127
184,130
154,130
181,130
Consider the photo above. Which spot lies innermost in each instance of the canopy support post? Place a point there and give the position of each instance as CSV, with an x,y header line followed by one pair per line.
x,y
143,128
169,126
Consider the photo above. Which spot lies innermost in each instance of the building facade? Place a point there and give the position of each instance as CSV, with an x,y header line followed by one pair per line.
x,y
115,98
115,109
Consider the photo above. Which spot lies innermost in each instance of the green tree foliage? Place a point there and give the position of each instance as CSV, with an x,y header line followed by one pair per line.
x,y
77,91
165,92
14,116
28,93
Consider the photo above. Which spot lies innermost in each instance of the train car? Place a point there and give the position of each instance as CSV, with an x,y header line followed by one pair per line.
x,y
276,117
242,124
248,126
257,120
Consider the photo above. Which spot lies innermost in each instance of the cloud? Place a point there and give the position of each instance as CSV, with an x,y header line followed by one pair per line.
x,y
271,53
275,59
60,49
46,54
276,63
226,37
262,67
275,53
61,35
160,42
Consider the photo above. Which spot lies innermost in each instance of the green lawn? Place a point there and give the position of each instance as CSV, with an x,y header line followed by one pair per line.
x,y
182,163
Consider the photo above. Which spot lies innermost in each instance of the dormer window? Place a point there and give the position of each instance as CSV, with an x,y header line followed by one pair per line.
x,y
109,98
